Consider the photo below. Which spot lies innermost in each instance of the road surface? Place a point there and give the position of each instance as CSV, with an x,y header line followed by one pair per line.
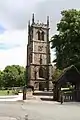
x,y
38,110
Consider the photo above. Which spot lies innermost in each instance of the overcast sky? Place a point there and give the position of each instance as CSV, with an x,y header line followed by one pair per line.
x,y
14,16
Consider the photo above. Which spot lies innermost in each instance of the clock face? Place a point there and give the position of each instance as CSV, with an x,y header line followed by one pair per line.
x,y
40,48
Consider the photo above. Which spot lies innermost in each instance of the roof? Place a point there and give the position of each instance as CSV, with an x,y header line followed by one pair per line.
x,y
70,74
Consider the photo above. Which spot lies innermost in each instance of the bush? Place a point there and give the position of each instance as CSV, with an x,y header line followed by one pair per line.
x,y
14,92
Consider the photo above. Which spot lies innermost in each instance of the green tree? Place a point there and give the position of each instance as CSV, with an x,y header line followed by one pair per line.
x,y
67,42
20,80
56,74
14,76
10,76
1,79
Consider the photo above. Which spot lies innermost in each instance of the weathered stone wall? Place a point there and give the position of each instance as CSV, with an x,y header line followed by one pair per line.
x,y
30,49
36,58
38,44
50,72
39,51
35,35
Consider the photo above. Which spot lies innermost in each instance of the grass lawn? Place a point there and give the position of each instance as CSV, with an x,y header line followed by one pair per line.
x,y
5,92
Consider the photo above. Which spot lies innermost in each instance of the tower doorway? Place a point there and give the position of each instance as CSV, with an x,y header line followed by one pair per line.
x,y
41,86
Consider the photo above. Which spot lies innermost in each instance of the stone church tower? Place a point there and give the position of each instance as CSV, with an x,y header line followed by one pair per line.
x,y
38,55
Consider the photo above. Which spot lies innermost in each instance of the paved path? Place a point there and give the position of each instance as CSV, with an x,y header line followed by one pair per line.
x,y
7,118
53,111
11,97
37,110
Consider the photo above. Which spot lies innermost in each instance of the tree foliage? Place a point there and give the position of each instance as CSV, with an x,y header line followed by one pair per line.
x,y
67,41
56,74
1,79
12,76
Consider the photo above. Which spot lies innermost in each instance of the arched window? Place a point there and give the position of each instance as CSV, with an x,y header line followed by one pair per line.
x,y
41,72
42,35
40,59
35,74
39,35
